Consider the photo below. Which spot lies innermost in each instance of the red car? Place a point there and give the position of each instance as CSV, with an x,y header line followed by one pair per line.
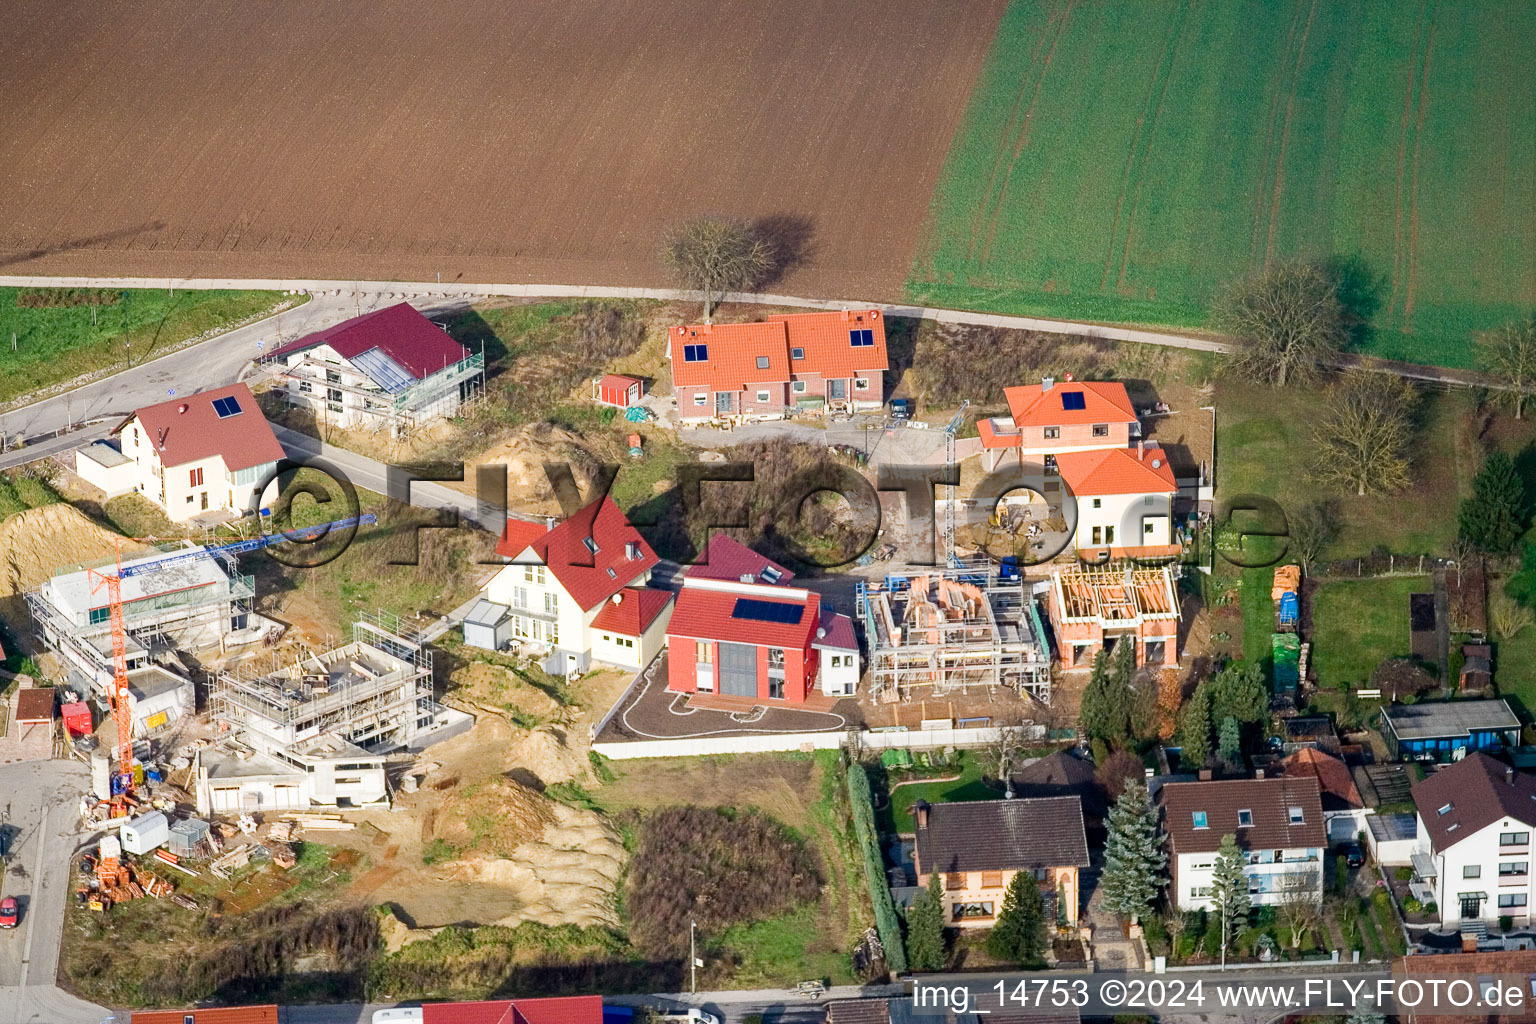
x,y
8,912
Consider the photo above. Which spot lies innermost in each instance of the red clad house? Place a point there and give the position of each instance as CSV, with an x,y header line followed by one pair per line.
x,y
797,362
738,630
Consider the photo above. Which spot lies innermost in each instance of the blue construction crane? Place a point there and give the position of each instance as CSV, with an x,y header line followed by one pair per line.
x,y
242,546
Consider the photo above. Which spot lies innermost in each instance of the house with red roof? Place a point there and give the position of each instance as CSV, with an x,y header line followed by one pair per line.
x,y
390,369
739,630
1058,417
805,363
576,591
1124,500
210,451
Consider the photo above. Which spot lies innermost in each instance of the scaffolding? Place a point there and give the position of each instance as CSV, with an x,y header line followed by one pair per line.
x,y
401,407
375,692
952,630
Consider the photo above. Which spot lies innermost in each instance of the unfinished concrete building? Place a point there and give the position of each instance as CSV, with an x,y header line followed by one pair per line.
x,y
1093,609
316,731
953,631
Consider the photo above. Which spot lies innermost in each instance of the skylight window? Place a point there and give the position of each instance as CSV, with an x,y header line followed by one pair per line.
x,y
591,544
226,407
1199,817
695,353
797,353
1244,819
772,575
1072,400
762,362
611,573
1296,816
1445,810
861,338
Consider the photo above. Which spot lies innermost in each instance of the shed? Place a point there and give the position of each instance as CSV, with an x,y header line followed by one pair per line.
x,y
1448,730
618,390
1392,838
103,466
77,718
488,625
34,705
145,833
185,835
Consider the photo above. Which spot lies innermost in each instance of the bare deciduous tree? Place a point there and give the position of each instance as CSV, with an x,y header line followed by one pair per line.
x,y
1508,616
716,255
1300,908
1311,529
1286,320
1364,438
1509,354
1008,749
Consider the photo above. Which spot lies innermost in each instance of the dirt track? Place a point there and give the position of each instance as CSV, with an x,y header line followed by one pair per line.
x,y
539,141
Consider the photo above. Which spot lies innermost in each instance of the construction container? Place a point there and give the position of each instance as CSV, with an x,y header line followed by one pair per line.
x,y
145,833
77,718
185,835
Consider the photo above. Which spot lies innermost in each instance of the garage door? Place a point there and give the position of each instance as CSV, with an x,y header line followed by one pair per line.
x,y
738,670
285,796
227,799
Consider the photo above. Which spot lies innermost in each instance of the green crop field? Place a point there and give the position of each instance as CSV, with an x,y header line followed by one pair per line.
x,y
1121,161
41,347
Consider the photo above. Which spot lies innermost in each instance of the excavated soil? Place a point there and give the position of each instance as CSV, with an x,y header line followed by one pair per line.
x,y
38,542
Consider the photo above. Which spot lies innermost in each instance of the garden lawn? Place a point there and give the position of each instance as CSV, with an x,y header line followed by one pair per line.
x,y
1210,139
896,816
1356,624
56,344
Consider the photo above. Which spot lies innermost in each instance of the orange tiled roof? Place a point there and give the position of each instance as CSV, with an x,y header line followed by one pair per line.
x,y
1103,402
825,339
733,351
1117,471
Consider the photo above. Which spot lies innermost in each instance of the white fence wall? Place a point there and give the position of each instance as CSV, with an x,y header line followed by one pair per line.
x,y
757,743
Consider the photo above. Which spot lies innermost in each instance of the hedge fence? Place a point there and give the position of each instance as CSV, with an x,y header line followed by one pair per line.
x,y
886,921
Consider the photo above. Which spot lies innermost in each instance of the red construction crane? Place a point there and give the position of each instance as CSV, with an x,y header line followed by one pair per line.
x,y
122,783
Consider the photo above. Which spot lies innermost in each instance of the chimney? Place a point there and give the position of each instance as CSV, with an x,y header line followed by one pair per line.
x,y
747,577
1258,773
1509,776
1046,383
1140,450
181,408
921,809
845,315
1204,775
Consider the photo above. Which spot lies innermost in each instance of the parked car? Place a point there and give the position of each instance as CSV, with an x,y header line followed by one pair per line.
x,y
1353,855
901,409
8,912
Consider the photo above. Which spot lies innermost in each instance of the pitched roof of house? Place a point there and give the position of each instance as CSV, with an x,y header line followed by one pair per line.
x,y
400,332
1002,835
828,347
561,1010
190,429
1268,800
838,635
726,558
1333,777
618,380
1473,794
591,577
707,614
1062,774
733,353
518,535
1102,402
265,1014
1517,965
1117,471
859,1011
637,608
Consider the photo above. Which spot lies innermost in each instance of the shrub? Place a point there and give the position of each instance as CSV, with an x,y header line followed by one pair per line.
x,y
716,868
58,298
1411,905
1506,922
1340,875
1431,907
1404,874
886,922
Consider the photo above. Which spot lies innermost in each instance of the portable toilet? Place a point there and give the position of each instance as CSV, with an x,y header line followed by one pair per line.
x,y
145,833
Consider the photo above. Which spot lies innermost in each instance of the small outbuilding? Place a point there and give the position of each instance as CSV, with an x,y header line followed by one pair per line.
x,y
183,836
102,465
488,625
77,718
618,390
145,833
34,706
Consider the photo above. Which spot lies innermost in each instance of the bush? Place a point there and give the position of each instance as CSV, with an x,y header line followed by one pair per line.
x,y
1404,874
714,867
1212,942
1340,875
886,922
1506,922
1431,907
1156,933
1411,905
58,298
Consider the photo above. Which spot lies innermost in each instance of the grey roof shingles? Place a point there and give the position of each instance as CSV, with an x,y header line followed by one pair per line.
x,y
1474,794
1449,719
1269,801
1003,835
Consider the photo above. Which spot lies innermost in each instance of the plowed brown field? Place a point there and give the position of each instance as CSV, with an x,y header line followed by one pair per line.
x,y
529,141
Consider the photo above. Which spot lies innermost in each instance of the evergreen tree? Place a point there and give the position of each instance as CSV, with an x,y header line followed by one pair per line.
x,y
1366,1017
1229,891
1238,691
925,928
1229,743
1134,857
1194,732
1109,699
1495,516
1019,934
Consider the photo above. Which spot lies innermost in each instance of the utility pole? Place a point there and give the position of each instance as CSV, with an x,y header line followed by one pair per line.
x,y
693,961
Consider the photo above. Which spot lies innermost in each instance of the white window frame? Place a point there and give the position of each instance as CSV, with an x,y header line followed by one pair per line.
x,y
700,398
799,387
762,396
861,383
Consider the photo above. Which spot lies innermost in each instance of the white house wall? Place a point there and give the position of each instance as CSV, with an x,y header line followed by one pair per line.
x,y
1483,852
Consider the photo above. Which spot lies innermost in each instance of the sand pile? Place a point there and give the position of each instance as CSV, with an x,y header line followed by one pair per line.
x,y
524,456
546,753
497,690
493,817
36,543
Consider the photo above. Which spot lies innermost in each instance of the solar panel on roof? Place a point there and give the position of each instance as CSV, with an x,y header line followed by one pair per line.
x,y
695,353
861,337
226,407
765,611
1072,400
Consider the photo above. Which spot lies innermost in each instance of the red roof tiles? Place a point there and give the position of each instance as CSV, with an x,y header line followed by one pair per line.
x,y
706,614
1469,795
561,1010
1103,402
762,352
1333,775
839,634
636,610
825,339
591,577
266,1014
399,331
1117,471
518,535
189,430
726,558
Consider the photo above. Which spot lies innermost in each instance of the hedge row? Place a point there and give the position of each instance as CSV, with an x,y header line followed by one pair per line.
x,y
886,921
51,298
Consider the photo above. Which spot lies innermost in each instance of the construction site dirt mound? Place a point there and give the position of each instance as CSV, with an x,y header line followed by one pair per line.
x,y
524,455
493,817
546,753
498,690
38,542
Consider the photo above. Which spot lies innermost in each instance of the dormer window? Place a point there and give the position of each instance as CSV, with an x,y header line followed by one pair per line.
x,y
1296,816
1199,819
591,544
771,575
611,574
631,550
1244,819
